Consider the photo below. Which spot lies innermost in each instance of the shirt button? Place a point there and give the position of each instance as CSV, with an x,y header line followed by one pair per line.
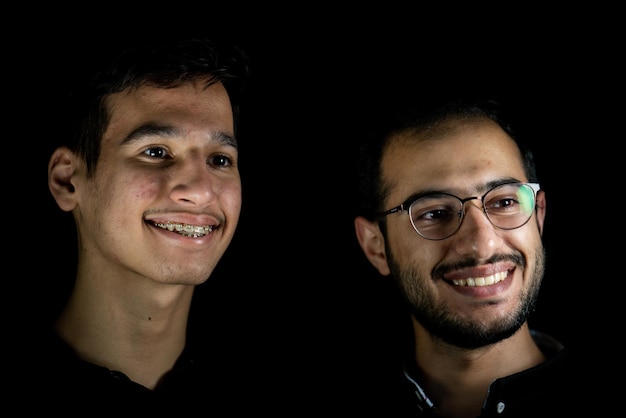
x,y
500,407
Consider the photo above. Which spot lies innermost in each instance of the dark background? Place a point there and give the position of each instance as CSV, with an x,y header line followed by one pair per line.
x,y
294,292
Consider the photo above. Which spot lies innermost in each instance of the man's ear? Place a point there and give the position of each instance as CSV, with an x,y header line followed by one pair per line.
x,y
372,243
62,169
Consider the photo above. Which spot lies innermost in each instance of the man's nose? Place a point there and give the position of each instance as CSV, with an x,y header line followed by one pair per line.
x,y
193,182
476,235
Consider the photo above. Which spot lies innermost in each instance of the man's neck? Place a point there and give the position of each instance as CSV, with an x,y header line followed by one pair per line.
x,y
140,336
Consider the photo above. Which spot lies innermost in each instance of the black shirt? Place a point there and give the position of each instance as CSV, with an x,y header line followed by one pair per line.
x,y
56,381
552,388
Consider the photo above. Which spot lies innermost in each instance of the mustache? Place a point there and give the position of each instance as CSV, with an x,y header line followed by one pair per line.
x,y
441,269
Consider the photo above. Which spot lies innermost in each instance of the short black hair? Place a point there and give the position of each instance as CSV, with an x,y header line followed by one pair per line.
x,y
155,62
416,115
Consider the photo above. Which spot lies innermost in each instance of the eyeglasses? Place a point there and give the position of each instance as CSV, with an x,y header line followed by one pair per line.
x,y
438,216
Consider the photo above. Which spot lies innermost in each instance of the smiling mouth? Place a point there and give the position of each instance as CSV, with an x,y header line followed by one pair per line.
x,y
187,230
481,281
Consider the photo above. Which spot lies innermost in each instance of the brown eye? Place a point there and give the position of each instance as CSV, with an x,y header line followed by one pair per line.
x,y
156,152
220,161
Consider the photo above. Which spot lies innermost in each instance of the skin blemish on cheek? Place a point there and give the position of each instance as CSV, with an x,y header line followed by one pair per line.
x,y
143,194
147,190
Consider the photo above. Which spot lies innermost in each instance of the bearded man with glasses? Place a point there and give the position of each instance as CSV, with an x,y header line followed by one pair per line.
x,y
451,208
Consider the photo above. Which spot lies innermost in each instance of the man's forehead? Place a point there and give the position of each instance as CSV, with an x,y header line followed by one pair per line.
x,y
463,152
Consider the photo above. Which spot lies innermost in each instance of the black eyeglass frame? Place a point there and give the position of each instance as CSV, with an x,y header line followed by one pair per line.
x,y
406,205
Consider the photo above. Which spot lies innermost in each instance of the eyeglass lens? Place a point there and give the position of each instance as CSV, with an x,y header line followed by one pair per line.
x,y
438,216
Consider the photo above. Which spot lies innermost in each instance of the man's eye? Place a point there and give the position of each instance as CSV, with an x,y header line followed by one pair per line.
x,y
220,161
156,152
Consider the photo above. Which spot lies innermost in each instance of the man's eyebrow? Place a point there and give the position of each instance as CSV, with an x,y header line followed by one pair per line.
x,y
152,130
225,139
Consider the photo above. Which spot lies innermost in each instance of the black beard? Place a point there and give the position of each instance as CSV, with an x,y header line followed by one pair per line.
x,y
443,325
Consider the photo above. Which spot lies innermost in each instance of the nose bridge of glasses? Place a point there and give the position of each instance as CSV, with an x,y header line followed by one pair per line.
x,y
479,205
467,199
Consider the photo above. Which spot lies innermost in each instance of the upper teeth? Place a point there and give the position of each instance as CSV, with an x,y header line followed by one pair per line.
x,y
481,281
186,229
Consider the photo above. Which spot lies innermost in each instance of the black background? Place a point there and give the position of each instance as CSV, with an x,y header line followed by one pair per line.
x,y
294,291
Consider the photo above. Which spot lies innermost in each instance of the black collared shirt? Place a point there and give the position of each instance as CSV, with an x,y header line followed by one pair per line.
x,y
548,389
57,381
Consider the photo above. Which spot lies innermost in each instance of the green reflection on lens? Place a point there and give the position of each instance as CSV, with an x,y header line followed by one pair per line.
x,y
525,197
